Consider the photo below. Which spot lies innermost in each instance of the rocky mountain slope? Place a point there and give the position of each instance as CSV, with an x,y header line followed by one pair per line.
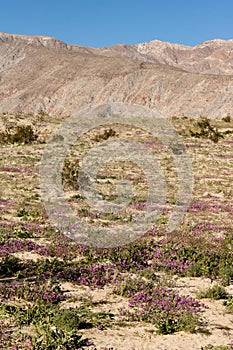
x,y
45,74
210,57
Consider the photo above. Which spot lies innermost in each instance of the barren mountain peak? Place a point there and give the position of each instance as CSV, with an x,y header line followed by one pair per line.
x,y
37,40
171,78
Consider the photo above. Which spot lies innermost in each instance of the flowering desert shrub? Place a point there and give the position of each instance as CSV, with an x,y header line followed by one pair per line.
x,y
165,308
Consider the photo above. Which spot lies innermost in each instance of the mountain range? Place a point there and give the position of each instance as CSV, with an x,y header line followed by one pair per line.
x,y
44,74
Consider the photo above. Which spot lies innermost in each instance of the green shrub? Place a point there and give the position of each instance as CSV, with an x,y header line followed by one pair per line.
x,y
203,129
10,265
217,347
168,324
130,285
70,319
52,338
55,339
21,232
70,174
216,292
80,318
227,119
106,135
22,134
46,335
229,304
21,212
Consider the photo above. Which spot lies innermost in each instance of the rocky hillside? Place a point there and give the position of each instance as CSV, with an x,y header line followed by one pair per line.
x,y
45,74
210,57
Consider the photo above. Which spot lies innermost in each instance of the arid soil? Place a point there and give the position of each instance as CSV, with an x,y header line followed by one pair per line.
x,y
210,214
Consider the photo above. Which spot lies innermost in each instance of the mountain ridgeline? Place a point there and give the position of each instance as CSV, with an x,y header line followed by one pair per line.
x,y
40,73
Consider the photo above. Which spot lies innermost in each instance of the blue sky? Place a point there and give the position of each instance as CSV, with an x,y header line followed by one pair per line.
x,y
107,22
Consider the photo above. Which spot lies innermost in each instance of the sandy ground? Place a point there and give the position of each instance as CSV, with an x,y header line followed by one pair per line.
x,y
141,336
138,336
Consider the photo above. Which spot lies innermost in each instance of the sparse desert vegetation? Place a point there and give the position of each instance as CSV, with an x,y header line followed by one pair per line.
x,y
163,291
